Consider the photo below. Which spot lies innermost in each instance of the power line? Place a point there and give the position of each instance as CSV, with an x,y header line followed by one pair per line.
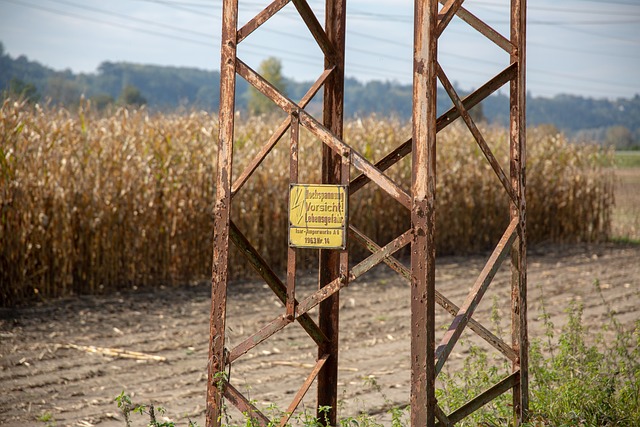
x,y
529,43
130,18
181,6
409,18
252,48
258,49
604,36
102,21
535,7
613,2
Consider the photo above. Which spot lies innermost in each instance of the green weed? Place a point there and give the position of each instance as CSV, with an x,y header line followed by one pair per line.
x,y
585,384
574,381
47,417
127,407
627,159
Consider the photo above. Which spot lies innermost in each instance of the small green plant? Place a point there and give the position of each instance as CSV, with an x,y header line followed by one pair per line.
x,y
371,382
127,407
587,384
575,380
47,417
323,419
477,374
398,416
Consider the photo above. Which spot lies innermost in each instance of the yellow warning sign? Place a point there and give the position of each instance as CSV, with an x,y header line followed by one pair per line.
x,y
317,216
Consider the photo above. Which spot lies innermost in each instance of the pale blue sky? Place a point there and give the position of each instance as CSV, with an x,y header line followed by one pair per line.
x,y
582,47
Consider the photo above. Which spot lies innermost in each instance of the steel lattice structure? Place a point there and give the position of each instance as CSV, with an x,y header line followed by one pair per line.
x,y
339,159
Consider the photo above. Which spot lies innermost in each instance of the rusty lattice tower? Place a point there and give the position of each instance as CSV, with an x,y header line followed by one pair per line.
x,y
339,159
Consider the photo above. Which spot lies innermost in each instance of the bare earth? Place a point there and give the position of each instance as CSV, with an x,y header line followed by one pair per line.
x,y
46,365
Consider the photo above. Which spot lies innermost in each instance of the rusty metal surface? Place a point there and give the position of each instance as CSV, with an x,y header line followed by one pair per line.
x,y
483,398
264,333
313,300
484,29
270,91
244,405
291,251
273,281
325,135
219,275
441,300
338,158
446,14
442,417
377,257
443,121
475,295
322,359
309,18
278,133
423,196
466,117
261,18
333,264
518,152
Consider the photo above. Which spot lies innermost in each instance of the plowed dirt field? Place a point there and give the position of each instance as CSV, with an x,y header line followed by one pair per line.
x,y
58,363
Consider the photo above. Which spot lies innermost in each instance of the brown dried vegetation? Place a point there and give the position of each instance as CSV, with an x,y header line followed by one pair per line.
x,y
91,204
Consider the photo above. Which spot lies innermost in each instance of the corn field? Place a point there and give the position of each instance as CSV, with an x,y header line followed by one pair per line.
x,y
96,204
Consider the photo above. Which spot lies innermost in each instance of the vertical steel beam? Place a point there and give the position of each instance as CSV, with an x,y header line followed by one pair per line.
x,y
219,278
423,188
333,264
517,150
292,252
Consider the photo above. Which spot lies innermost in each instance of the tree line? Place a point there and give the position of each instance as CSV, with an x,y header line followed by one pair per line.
x,y
163,88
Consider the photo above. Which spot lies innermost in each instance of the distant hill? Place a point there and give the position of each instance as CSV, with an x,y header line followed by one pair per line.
x,y
163,87
167,88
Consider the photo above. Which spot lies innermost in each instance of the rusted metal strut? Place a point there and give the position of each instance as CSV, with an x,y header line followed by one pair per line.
x,y
338,159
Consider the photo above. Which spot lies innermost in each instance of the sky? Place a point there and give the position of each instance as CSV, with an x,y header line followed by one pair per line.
x,y
588,48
